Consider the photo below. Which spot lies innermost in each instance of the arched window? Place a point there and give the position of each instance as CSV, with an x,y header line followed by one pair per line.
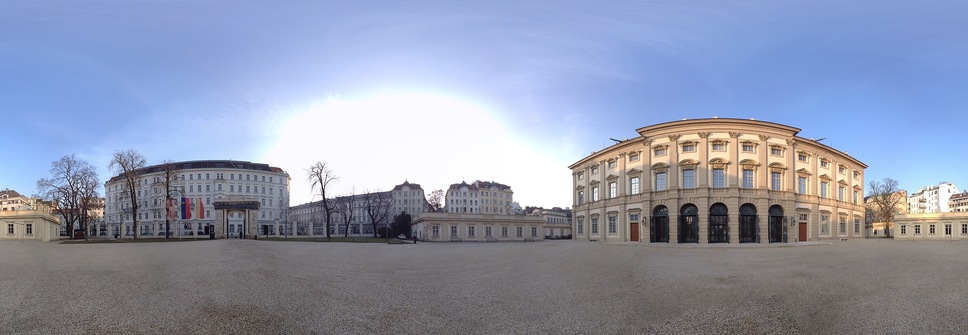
x,y
748,232
659,225
689,224
776,226
718,223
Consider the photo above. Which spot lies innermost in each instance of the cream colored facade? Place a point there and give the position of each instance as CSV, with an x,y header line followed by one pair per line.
x,y
718,181
410,198
25,218
932,226
878,228
466,227
479,197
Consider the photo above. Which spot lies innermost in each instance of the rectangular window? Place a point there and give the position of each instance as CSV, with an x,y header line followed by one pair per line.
x,y
504,231
519,231
776,151
689,178
581,226
964,228
840,193
10,228
917,229
775,181
931,229
856,195
804,217
611,164
633,157
802,185
903,229
843,224
719,146
856,226
470,231
30,229
581,175
612,229
487,231
802,157
747,147
612,189
595,193
594,169
634,185
581,197
689,147
594,225
660,181
435,231
719,177
634,217
824,163
823,189
747,178
947,229
660,151
534,231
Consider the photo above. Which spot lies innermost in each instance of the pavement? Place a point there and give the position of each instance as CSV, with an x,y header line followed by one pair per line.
x,y
545,287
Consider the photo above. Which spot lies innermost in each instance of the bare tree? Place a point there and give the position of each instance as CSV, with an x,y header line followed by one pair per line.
x,y
883,201
169,177
345,209
70,188
436,200
377,206
128,164
320,176
90,183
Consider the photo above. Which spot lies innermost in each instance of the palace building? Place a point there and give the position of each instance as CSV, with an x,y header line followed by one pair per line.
x,y
718,180
232,199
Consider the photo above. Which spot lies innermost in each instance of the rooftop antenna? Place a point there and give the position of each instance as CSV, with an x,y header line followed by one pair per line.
x,y
616,141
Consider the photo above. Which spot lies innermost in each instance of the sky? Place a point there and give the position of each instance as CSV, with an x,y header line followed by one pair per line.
x,y
439,92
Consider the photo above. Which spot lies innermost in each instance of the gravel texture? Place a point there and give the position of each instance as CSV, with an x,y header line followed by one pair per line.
x,y
554,287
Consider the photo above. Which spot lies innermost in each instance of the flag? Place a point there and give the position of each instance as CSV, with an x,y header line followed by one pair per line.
x,y
200,214
186,209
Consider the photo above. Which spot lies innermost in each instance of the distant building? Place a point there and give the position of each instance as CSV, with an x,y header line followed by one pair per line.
x,y
477,227
931,199
409,198
932,226
95,222
958,202
26,218
233,199
479,197
557,221
875,227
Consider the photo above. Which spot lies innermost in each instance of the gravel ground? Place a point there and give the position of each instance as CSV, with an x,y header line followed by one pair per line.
x,y
560,287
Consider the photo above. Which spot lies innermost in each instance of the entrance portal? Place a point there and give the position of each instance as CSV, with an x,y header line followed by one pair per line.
x,y
718,224
689,224
747,224
803,231
634,231
776,224
659,226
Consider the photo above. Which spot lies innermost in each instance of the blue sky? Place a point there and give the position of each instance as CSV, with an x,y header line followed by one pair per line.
x,y
436,92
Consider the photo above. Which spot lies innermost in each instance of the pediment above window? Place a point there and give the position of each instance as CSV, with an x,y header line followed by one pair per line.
x,y
594,182
580,187
842,182
748,163
803,172
857,187
778,166
825,177
611,177
633,172
718,163
660,166
688,163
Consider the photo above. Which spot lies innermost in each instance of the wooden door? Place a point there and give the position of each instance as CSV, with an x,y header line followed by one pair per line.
x,y
803,232
634,230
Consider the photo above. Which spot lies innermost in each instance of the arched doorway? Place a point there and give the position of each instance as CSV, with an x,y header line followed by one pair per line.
x,y
747,224
718,223
659,225
777,233
689,224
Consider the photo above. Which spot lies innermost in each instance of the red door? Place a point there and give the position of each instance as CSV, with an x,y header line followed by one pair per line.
x,y
635,232
803,232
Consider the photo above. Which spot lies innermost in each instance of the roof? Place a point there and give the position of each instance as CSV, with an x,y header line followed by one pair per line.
x,y
478,185
10,193
206,164
407,183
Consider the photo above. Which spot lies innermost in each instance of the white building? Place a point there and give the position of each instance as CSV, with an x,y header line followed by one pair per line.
x,y
932,199
409,198
479,197
232,199
958,202
557,222
26,218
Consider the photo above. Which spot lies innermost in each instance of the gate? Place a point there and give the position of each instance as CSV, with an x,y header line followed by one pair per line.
x,y
689,224
659,225
776,224
747,224
718,224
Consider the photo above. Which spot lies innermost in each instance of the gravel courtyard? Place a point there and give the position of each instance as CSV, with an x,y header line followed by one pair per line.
x,y
560,287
